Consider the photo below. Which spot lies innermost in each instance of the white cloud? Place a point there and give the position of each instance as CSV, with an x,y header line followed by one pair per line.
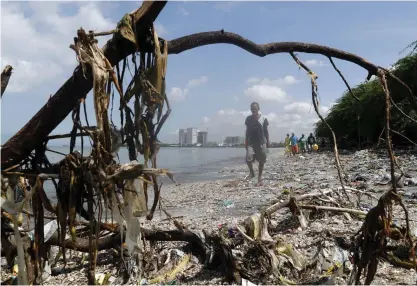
x,y
37,46
235,98
266,89
264,92
176,94
302,108
183,11
306,108
315,63
206,119
179,94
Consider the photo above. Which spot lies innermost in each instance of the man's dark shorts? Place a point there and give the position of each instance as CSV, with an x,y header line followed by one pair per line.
x,y
256,152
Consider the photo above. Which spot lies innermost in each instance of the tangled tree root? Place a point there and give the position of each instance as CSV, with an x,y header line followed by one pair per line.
x,y
371,242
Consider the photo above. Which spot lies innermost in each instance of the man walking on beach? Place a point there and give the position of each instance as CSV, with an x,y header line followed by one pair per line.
x,y
257,141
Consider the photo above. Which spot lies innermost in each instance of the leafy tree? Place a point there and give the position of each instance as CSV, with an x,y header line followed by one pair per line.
x,y
357,123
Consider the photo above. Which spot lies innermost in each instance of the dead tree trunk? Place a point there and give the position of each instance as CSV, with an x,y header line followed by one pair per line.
x,y
76,87
5,76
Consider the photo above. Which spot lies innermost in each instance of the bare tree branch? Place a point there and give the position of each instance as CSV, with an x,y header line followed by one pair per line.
x,y
384,84
192,41
400,110
403,136
182,44
343,78
313,77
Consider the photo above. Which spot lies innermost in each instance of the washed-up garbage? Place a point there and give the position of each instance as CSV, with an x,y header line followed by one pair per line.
x,y
293,256
410,182
247,282
49,229
331,257
169,277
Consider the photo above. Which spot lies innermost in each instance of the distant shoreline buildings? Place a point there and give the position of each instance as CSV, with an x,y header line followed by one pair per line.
x,y
191,136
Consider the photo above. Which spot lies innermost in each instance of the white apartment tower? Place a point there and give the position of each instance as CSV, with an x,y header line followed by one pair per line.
x,y
191,137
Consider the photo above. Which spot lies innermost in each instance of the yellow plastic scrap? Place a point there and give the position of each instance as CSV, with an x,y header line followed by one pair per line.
x,y
15,270
102,279
286,281
256,225
295,257
332,269
167,277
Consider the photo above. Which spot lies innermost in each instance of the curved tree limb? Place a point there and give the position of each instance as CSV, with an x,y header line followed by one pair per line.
x,y
189,42
192,41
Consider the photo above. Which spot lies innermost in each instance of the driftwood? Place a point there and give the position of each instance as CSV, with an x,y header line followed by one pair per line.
x,y
5,76
75,88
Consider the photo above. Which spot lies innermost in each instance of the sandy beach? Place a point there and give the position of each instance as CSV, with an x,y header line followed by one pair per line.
x,y
206,205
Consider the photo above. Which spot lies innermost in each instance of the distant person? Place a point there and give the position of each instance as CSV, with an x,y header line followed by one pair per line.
x,y
294,144
287,144
257,141
310,142
302,144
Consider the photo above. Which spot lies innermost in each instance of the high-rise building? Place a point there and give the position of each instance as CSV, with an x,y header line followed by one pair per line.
x,y
191,137
182,140
202,137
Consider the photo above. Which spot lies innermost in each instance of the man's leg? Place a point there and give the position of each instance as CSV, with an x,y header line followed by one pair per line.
x,y
249,161
261,169
261,154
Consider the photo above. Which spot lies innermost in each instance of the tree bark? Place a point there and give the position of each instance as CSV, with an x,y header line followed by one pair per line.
x,y
182,44
5,76
76,87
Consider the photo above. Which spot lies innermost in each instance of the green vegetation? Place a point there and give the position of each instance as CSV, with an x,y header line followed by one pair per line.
x,y
361,123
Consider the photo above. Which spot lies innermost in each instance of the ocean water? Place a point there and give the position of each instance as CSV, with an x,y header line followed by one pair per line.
x,y
187,164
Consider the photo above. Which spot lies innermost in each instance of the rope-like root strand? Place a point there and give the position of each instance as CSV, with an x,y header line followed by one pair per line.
x,y
383,81
313,78
343,78
393,162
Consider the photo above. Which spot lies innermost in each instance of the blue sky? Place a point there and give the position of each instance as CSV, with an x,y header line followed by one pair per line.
x,y
209,87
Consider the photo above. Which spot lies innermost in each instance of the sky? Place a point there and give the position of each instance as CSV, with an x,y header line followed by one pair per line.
x,y
211,87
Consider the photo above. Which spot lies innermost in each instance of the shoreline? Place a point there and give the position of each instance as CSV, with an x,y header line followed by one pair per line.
x,y
205,205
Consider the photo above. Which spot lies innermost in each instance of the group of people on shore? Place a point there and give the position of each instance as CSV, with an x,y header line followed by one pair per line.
x,y
295,145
